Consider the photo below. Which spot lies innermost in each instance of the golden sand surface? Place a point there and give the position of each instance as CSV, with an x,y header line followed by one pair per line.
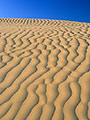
x,y
44,69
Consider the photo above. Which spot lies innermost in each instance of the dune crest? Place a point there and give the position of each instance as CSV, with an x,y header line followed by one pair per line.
x,y
44,70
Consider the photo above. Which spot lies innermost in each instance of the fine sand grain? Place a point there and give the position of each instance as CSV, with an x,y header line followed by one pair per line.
x,y
44,70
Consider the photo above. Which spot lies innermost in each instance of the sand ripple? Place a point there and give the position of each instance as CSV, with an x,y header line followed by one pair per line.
x,y
44,70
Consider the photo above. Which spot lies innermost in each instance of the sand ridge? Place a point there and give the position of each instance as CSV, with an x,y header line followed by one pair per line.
x,y
44,69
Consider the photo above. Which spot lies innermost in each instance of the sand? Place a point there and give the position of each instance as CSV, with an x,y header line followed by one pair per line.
x,y
44,70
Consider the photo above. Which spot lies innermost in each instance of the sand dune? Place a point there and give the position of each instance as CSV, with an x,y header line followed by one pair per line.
x,y
44,70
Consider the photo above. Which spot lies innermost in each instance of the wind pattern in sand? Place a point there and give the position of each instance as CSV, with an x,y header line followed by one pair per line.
x,y
44,70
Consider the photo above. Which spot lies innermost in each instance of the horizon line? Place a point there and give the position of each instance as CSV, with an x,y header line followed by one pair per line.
x,y
41,19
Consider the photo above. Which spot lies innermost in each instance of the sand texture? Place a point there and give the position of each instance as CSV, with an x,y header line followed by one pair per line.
x,y
44,70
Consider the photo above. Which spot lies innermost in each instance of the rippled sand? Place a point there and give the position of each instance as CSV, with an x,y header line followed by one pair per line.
x,y
44,70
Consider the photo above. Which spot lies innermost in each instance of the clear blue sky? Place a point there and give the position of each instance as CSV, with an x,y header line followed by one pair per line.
x,y
72,10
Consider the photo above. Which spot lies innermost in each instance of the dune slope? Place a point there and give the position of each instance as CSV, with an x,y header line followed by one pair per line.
x,y
44,70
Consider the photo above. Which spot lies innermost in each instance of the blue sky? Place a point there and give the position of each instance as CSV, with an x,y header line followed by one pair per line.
x,y
72,10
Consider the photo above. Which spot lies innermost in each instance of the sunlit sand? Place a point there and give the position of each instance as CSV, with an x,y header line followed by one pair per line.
x,y
44,70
